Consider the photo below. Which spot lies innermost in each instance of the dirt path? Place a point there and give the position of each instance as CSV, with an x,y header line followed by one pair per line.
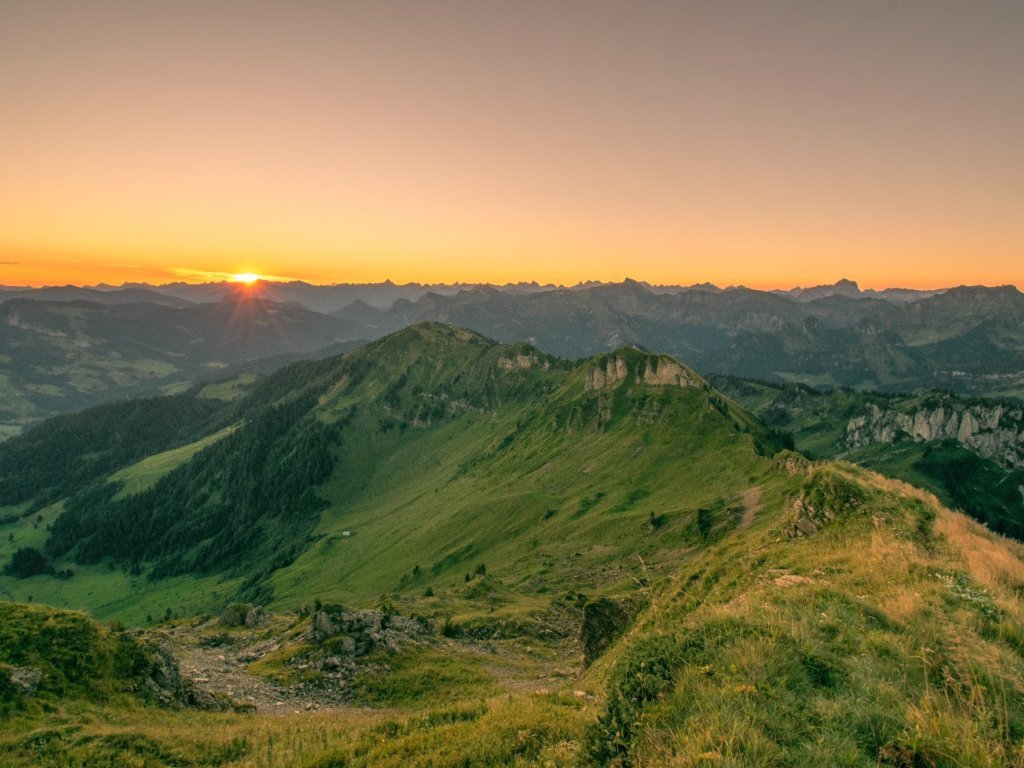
x,y
751,499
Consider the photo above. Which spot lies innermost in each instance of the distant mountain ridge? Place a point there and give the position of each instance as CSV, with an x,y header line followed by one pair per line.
x,y
330,298
57,357
64,348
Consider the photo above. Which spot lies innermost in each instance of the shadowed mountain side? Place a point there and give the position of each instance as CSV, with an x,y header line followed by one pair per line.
x,y
967,339
61,356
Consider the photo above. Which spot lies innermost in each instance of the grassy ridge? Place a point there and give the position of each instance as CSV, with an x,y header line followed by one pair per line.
x,y
436,452
892,634
960,476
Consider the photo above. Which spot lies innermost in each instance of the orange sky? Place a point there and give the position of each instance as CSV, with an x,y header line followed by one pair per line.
x,y
769,144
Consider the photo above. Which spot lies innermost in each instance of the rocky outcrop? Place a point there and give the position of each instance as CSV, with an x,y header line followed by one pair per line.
x,y
992,430
24,680
239,614
664,371
360,632
519,360
165,683
604,621
655,371
609,376
822,500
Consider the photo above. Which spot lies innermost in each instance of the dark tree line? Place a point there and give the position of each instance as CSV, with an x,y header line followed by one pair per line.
x,y
65,452
250,496
28,561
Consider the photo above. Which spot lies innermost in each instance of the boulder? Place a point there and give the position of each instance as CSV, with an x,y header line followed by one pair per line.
x,y
235,614
25,680
324,626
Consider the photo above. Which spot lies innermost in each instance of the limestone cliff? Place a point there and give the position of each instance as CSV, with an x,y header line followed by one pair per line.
x,y
660,370
992,430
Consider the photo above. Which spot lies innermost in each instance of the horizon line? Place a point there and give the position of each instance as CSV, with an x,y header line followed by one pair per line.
x,y
776,287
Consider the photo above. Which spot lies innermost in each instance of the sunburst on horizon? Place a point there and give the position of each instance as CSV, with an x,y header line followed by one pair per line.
x,y
246,277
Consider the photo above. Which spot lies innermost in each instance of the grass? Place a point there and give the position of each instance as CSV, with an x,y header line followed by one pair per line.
x,y
144,474
860,645
423,676
519,730
891,636
229,390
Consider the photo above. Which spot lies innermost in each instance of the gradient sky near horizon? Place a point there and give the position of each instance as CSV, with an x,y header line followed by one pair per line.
x,y
768,143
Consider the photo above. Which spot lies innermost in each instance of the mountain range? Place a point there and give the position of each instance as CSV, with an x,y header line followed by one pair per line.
x,y
62,349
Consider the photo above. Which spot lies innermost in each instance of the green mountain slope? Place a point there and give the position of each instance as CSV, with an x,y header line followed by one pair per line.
x,y
418,458
849,620
615,565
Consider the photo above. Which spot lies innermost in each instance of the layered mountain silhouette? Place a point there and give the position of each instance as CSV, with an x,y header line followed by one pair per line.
x,y
63,355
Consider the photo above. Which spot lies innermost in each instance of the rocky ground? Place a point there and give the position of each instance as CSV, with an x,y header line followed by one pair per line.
x,y
287,663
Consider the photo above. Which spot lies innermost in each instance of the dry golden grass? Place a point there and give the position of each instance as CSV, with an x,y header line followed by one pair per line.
x,y
995,561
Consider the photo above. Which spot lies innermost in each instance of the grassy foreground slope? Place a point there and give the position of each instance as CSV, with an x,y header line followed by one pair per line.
x,y
890,633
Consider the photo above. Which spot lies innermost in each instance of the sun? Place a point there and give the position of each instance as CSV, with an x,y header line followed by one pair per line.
x,y
246,277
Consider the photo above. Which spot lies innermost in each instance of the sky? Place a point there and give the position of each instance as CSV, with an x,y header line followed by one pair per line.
x,y
769,143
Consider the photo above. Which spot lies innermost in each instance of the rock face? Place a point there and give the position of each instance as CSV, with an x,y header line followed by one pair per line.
x,y
167,685
519,361
604,620
656,371
610,376
361,632
234,615
993,431
667,372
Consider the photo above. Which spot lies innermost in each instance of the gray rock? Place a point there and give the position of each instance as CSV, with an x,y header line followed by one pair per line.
x,y
26,679
370,619
256,617
324,626
604,620
234,615
993,431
